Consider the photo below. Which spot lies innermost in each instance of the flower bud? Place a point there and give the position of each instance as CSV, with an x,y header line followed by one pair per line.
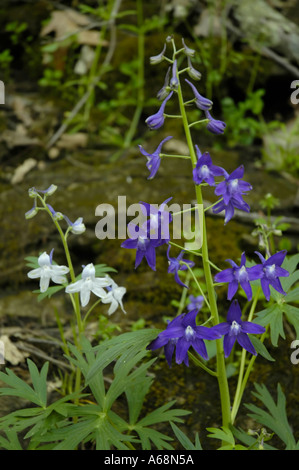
x,y
32,192
192,72
188,51
158,58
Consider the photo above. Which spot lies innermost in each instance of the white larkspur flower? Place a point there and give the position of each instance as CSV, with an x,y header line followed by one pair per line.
x,y
114,297
89,283
48,272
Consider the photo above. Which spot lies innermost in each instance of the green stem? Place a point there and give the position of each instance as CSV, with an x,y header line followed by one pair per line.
x,y
201,364
241,382
163,155
221,370
76,303
198,285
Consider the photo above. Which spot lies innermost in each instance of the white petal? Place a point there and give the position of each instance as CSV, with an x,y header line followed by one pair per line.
x,y
59,270
44,259
35,273
84,296
119,292
108,298
102,282
89,271
98,291
59,279
44,283
113,307
75,287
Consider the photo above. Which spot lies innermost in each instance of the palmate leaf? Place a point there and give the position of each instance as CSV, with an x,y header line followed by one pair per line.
x,y
275,418
184,440
36,394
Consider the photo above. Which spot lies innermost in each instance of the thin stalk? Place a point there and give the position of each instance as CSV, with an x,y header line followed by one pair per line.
x,y
221,370
163,155
198,285
241,384
202,365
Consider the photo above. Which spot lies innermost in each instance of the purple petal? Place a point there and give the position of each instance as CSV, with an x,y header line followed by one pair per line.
x,y
178,281
223,328
139,258
234,312
129,243
260,256
254,328
190,318
228,342
280,272
276,259
255,272
246,288
221,189
168,351
182,350
150,256
245,342
232,289
204,332
266,289
224,276
277,286
237,174
200,347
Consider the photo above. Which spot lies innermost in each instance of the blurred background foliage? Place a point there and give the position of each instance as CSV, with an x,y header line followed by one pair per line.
x,y
92,59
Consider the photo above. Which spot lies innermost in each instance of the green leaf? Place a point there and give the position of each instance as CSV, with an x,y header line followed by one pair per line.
x,y
272,316
12,442
184,440
19,388
275,418
130,343
260,348
224,434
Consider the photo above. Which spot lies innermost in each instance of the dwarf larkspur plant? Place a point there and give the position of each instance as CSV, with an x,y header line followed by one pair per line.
x,y
233,327
185,335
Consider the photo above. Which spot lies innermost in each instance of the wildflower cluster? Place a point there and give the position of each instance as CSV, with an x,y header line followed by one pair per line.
x,y
102,287
182,332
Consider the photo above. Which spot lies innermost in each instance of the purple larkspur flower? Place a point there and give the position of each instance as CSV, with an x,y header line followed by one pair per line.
x,y
201,102
205,170
234,329
176,264
233,186
157,120
145,247
238,275
153,159
270,271
214,125
195,302
159,220
229,208
182,333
